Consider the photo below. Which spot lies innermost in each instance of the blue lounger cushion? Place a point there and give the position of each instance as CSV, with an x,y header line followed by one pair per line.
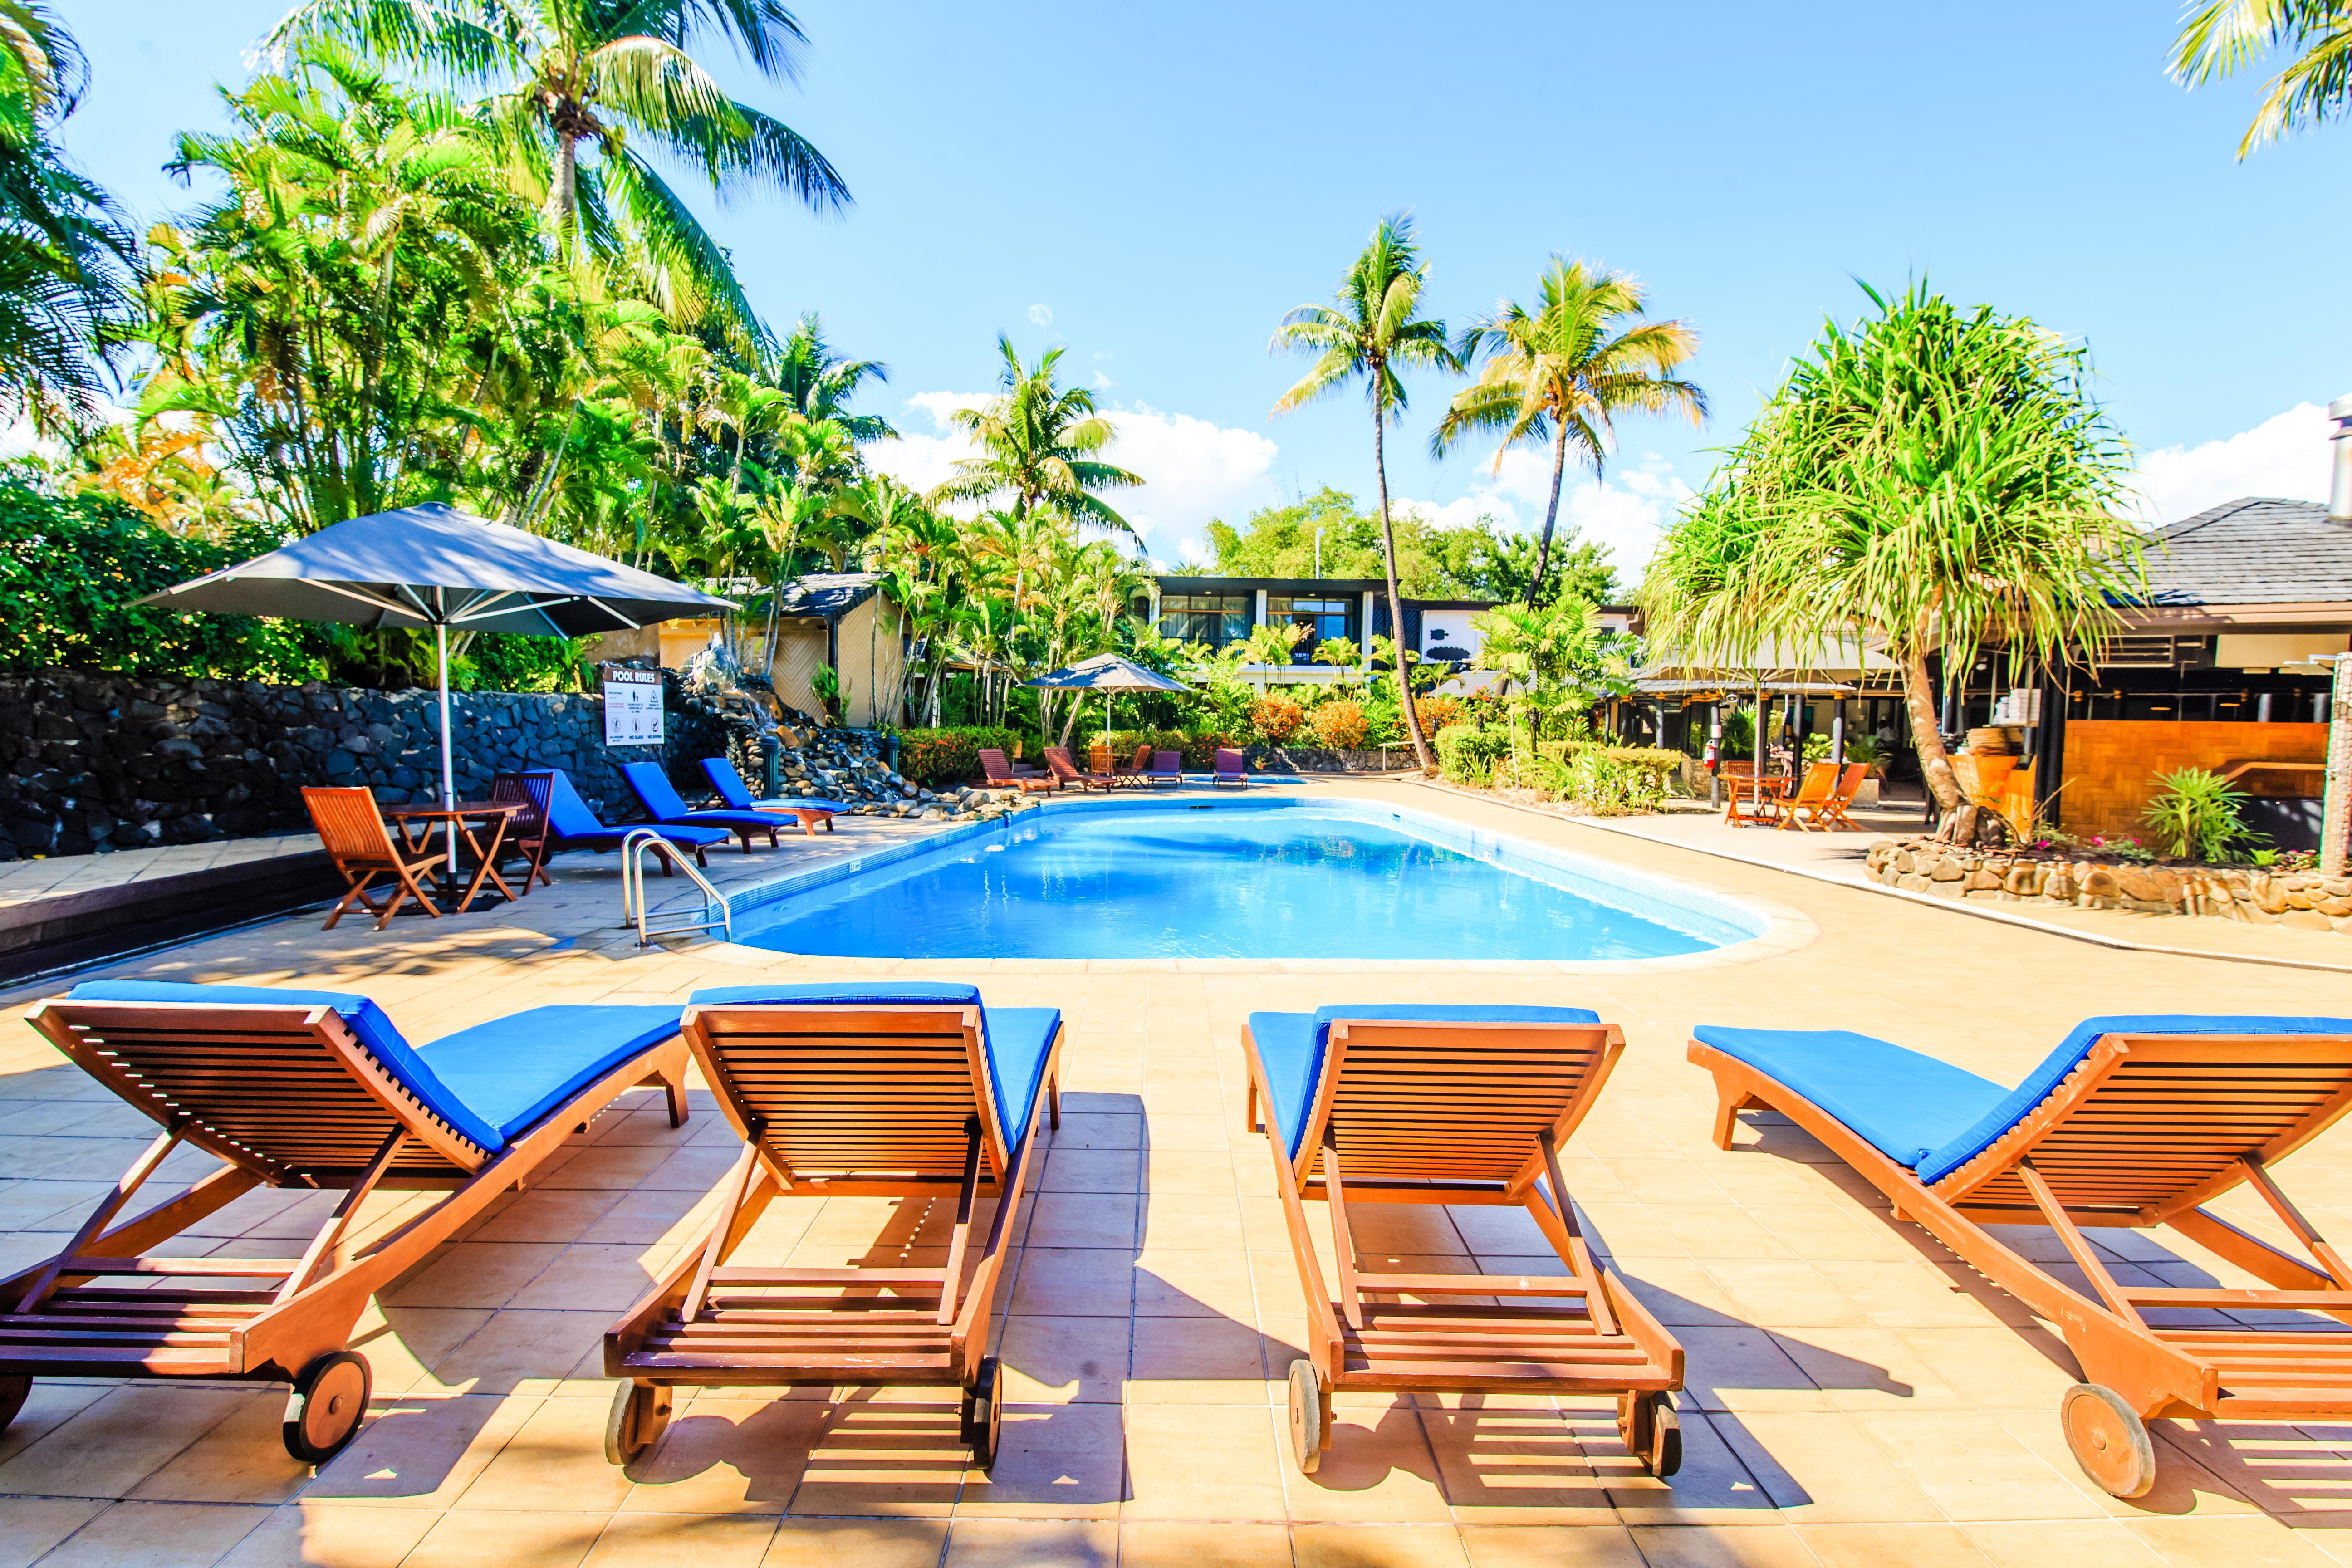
x,y
490,1082
664,804
1290,1046
1935,1117
731,790
578,827
1017,1039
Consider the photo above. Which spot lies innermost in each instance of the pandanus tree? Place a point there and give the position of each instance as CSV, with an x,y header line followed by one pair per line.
x,y
1374,330
617,80
1933,479
1561,372
2222,38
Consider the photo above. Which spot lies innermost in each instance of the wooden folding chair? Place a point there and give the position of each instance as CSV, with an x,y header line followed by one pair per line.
x,y
353,830
1848,787
1426,1104
527,837
902,1090
302,1091
2132,1122
1812,795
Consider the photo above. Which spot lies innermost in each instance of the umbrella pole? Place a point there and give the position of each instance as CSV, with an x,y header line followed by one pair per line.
x,y
449,772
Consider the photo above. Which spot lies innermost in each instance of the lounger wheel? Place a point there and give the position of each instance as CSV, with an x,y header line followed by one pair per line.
x,y
1650,1431
14,1390
324,1412
983,1415
1307,1436
640,1411
2109,1439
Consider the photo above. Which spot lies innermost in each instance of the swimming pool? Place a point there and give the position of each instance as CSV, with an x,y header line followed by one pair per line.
x,y
1234,879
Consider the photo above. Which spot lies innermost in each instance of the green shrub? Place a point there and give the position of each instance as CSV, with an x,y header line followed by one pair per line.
x,y
1466,754
948,755
1613,784
2195,815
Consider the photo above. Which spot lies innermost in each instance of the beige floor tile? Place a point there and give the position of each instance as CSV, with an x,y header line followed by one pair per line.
x,y
402,1344
1032,1544
1377,1546
1076,1282
421,1453
156,1535
1825,1466
29,1526
1059,1461
724,1455
111,1444
243,1459
554,1461
866,1542
595,1277
49,1404
1549,1546
1378,1468
2241,1541
1714,1486
2055,1543
1170,1283
1973,1467
1722,1546
501,1540
1204,1461
1054,1361
1085,1219
683,1540
1519,1463
521,1351
319,1535
1184,1543
1198,1361
877,1459
1873,1545
1196,1221
1744,1368
475,1274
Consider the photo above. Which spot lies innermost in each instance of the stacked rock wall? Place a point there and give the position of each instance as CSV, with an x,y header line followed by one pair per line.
x,y
97,763
2252,895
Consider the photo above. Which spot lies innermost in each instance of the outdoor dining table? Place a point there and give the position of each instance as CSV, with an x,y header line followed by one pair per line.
x,y
1754,801
416,826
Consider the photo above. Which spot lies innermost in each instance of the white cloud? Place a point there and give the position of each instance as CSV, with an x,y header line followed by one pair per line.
x,y
1624,512
2284,455
1041,315
1103,383
1193,470
1463,511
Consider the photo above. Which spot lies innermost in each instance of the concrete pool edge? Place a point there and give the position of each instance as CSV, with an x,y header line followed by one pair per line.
x,y
1783,928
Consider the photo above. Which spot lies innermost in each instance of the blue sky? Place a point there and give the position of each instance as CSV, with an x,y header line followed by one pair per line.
x,y
1154,185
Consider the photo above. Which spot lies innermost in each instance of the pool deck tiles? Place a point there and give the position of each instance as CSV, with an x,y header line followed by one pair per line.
x,y
1855,1396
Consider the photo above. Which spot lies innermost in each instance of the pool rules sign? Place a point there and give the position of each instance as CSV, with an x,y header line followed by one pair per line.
x,y
633,708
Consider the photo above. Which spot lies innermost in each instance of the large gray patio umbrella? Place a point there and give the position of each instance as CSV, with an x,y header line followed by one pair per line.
x,y
1106,673
433,565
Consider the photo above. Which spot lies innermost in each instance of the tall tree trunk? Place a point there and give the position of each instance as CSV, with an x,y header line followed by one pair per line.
x,y
1935,762
1551,514
1396,598
567,190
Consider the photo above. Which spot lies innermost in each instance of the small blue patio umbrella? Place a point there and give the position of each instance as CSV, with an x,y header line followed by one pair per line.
x,y
433,565
1107,673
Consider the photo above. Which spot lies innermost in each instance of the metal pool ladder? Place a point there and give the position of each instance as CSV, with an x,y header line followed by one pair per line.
x,y
633,894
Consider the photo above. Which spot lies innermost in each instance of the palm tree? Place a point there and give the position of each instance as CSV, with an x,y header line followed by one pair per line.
x,y
819,383
1040,443
1372,330
64,247
1933,479
1562,372
2222,38
619,77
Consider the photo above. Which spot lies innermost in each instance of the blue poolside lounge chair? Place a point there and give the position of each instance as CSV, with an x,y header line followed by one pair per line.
x,y
1429,1104
736,796
897,1089
662,802
2133,1121
572,825
298,1090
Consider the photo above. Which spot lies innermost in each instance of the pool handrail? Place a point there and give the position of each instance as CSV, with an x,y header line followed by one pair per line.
x,y
633,891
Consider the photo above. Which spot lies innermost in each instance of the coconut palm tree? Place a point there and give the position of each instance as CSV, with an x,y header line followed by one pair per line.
x,y
819,383
1935,478
618,78
2222,38
1561,372
1040,444
1373,330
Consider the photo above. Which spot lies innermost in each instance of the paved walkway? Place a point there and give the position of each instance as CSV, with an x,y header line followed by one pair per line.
x,y
22,882
1855,1396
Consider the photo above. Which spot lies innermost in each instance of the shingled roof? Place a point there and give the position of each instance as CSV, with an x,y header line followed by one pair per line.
x,y
827,596
2258,551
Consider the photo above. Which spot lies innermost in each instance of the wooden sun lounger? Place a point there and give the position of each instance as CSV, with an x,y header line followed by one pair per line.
x,y
2132,1122
1451,1105
296,1091
1230,767
901,1090
1058,759
1166,767
1001,776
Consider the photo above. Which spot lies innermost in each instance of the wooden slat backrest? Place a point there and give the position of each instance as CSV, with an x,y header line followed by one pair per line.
x,y
287,1092
2151,1125
1413,1100
885,1089
529,791
350,826
1821,779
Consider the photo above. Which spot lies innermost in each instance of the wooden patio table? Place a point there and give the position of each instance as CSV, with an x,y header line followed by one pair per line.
x,y
417,824
1754,801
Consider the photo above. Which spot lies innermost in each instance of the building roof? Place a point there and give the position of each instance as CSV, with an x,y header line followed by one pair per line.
x,y
2256,551
826,596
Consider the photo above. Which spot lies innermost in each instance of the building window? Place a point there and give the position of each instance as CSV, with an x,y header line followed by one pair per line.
x,y
1215,619
1323,618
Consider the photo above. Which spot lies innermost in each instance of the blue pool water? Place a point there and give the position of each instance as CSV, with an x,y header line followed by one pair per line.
x,y
1270,879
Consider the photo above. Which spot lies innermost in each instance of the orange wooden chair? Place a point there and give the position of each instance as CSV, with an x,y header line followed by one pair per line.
x,y
1813,794
1065,768
2132,1122
1428,1104
1848,787
897,1089
298,1090
353,832
1001,776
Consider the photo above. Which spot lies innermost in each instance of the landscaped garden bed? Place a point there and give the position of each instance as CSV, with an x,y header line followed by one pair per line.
x,y
2254,895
